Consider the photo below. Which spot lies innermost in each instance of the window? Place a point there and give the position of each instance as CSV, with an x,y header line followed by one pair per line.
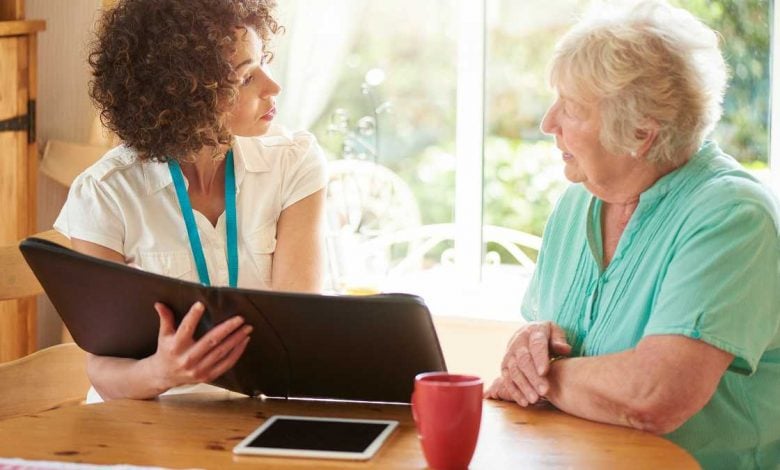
x,y
429,111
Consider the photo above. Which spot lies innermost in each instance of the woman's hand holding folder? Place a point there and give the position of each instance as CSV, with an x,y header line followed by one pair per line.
x,y
179,359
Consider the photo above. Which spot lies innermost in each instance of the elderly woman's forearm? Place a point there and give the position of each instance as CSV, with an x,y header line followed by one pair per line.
x,y
641,387
606,389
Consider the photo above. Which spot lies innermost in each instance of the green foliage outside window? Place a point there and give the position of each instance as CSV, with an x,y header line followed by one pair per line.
x,y
744,28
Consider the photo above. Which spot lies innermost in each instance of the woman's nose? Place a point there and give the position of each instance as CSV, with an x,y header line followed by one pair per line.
x,y
270,87
550,120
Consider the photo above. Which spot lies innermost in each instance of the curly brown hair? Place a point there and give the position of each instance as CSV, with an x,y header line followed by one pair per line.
x,y
162,77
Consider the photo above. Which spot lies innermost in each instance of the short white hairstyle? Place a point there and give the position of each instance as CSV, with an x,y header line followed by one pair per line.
x,y
644,62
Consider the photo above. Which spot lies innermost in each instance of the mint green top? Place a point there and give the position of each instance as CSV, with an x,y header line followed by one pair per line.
x,y
700,257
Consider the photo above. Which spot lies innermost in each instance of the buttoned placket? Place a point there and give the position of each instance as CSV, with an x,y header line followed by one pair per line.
x,y
597,285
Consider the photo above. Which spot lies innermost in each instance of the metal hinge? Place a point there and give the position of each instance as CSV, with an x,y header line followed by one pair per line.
x,y
24,123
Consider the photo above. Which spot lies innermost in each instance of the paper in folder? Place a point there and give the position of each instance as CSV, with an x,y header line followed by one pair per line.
x,y
364,348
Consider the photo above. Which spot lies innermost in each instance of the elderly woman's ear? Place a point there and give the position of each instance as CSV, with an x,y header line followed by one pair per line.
x,y
645,137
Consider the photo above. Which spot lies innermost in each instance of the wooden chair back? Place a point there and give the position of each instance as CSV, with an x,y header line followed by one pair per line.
x,y
46,379
16,279
50,378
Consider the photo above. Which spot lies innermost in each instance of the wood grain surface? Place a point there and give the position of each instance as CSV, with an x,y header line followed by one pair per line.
x,y
200,431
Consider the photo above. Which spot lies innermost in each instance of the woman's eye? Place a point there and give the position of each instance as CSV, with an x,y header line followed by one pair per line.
x,y
248,80
569,110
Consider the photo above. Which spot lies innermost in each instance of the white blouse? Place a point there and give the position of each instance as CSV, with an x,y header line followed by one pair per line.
x,y
131,207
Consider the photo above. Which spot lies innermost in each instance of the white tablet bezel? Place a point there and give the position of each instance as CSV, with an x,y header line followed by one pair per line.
x,y
243,447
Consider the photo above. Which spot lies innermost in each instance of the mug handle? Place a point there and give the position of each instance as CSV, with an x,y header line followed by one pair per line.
x,y
414,408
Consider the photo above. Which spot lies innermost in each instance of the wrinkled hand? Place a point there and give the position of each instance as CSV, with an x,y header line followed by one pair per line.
x,y
180,360
527,362
505,390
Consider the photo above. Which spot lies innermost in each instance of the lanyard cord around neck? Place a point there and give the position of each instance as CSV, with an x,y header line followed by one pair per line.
x,y
192,227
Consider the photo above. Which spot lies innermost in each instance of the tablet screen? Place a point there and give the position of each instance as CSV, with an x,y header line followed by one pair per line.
x,y
317,437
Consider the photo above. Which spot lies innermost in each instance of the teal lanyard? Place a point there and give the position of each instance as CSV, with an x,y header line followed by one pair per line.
x,y
192,228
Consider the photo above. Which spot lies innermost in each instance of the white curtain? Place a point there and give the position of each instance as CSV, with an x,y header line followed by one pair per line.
x,y
310,55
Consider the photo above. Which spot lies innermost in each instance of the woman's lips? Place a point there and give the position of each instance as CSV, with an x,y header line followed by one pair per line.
x,y
269,115
567,156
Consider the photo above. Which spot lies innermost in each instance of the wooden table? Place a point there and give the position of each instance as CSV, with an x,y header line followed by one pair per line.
x,y
201,431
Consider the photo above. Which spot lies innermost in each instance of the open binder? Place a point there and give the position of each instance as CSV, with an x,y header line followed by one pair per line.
x,y
303,345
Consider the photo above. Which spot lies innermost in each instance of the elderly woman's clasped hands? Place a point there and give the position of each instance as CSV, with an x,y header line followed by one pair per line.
x,y
527,361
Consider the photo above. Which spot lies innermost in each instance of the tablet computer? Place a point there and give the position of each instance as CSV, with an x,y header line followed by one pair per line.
x,y
322,438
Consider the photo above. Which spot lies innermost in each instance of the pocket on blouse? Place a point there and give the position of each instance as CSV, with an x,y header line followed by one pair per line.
x,y
177,264
262,244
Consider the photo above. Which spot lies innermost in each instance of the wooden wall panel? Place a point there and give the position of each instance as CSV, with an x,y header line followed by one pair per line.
x,y
32,144
17,202
64,108
8,147
11,9
10,142
24,209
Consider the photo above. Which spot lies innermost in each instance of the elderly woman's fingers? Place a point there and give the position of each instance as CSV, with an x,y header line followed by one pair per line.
x,y
492,391
528,356
505,390
527,365
502,392
558,342
539,348
511,392
517,376
517,338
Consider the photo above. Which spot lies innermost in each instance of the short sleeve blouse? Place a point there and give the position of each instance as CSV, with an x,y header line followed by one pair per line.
x,y
131,207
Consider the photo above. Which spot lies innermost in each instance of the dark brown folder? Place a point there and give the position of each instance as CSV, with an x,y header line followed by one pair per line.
x,y
303,345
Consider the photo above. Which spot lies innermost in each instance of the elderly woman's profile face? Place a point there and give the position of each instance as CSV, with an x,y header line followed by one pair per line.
x,y
576,125
255,108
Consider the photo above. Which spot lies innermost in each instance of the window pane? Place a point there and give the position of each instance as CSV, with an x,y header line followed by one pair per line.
x,y
388,127
416,55
523,173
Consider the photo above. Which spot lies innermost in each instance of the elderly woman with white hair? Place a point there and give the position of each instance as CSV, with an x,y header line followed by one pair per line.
x,y
655,303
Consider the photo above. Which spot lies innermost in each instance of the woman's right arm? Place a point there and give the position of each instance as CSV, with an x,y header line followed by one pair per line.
x,y
179,359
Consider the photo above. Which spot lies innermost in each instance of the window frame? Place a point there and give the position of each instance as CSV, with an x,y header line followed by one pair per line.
x,y
470,141
774,119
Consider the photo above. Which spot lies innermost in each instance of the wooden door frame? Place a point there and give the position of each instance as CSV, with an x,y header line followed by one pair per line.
x,y
18,318
11,10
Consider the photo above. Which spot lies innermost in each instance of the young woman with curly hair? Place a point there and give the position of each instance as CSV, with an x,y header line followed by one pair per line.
x,y
192,192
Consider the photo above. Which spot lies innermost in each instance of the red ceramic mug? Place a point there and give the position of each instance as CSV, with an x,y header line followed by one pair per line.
x,y
447,409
